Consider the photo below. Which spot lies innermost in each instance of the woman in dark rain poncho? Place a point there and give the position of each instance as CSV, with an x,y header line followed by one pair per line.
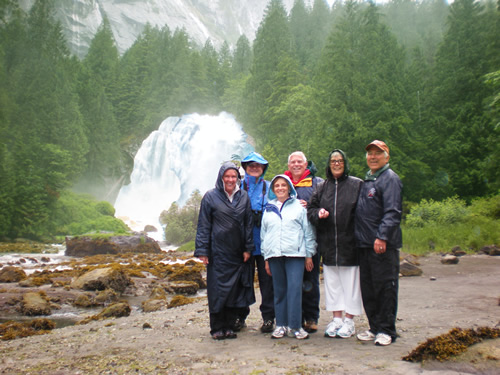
x,y
224,242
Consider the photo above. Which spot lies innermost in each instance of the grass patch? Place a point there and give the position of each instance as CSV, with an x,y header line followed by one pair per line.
x,y
440,226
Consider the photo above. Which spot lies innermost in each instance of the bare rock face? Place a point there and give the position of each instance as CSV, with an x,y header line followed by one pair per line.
x,y
11,274
34,304
86,246
407,268
101,279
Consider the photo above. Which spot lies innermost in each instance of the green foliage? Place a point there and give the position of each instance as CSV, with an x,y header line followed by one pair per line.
x,y
440,226
187,247
181,222
487,207
76,214
450,211
105,208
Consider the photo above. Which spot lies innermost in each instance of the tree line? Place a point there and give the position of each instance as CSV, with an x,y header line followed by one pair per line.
x,y
422,76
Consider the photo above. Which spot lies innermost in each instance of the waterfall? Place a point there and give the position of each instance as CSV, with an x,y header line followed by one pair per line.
x,y
183,155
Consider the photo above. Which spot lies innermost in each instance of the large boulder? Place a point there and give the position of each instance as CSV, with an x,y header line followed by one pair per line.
x,y
83,246
11,274
101,279
34,303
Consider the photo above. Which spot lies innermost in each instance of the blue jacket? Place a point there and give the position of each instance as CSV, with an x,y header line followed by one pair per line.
x,y
286,231
257,189
224,232
378,213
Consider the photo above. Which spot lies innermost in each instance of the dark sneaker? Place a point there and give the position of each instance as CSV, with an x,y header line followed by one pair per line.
x,y
219,335
310,326
239,325
267,326
229,334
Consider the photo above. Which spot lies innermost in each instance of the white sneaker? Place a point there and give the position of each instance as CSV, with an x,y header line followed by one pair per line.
x,y
333,327
383,340
366,336
347,329
299,334
279,332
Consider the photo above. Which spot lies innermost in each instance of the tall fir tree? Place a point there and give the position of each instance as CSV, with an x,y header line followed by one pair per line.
x,y
457,125
273,42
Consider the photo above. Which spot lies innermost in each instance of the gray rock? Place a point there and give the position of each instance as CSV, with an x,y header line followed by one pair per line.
x,y
83,246
449,259
407,268
11,274
184,287
34,304
101,279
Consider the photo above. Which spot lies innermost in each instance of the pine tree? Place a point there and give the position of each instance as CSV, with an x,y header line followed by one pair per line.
x,y
272,43
458,122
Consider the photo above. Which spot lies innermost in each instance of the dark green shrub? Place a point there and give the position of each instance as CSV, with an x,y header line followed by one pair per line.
x,y
105,208
76,214
450,211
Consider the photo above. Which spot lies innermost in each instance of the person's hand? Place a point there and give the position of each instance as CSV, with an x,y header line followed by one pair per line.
x,y
246,256
303,203
323,214
268,269
309,264
204,259
379,246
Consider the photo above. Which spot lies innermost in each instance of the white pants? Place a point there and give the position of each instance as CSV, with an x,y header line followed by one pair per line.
x,y
342,289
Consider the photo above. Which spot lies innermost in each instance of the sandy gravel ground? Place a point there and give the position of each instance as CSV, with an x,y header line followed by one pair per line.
x,y
465,295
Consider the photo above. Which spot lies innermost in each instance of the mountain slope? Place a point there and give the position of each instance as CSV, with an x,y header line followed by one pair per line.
x,y
218,20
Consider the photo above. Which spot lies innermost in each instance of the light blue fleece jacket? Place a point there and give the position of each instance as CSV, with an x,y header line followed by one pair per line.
x,y
286,231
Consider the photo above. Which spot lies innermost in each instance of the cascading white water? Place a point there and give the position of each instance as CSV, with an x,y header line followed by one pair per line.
x,y
183,155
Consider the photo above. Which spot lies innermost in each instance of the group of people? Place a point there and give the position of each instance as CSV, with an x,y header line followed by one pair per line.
x,y
286,229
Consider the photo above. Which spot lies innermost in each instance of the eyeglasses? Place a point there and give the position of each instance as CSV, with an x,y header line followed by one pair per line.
x,y
339,162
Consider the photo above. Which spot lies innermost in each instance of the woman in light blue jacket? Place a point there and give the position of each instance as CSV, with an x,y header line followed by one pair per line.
x,y
288,244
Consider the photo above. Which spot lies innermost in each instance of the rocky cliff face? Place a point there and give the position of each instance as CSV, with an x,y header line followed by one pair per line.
x,y
217,20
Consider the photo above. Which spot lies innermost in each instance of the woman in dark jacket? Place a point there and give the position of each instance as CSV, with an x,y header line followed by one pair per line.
x,y
331,210
224,242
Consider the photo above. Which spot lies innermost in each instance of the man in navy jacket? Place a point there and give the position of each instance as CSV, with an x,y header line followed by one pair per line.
x,y
379,239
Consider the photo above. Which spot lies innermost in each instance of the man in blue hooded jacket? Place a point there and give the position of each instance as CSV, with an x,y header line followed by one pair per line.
x,y
255,167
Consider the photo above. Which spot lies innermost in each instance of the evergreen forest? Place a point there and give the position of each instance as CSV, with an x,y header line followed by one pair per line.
x,y
424,76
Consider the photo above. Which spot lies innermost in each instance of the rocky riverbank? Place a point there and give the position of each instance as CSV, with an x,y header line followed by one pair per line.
x,y
177,341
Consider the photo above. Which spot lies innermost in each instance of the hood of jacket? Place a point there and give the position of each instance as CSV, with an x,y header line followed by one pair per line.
x,y
293,192
255,157
347,167
219,184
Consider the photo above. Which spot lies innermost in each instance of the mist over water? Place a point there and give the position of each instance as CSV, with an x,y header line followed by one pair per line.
x,y
183,155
